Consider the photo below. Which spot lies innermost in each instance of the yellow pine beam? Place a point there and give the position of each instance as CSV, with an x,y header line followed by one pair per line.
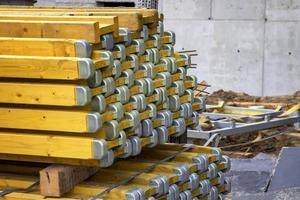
x,y
51,29
104,21
49,120
36,67
50,160
196,149
44,94
131,20
50,146
150,16
44,47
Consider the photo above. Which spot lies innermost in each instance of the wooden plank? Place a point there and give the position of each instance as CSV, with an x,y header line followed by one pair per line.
x,y
57,180
43,47
46,145
49,120
44,67
131,20
50,160
51,29
42,94
103,21
151,16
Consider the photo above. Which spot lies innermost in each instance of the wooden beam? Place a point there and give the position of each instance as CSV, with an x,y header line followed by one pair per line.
x,y
50,160
104,21
44,94
131,20
44,47
49,120
57,180
51,29
36,67
49,146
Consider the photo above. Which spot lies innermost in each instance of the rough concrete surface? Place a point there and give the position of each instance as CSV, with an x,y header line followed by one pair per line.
x,y
282,58
238,9
263,65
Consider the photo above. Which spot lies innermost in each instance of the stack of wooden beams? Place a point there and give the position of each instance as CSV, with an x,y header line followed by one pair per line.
x,y
195,174
90,85
89,88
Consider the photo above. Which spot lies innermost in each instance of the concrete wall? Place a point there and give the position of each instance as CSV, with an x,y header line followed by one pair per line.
x,y
250,46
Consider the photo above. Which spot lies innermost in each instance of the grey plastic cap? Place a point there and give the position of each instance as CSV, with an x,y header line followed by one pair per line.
x,y
123,138
145,33
212,171
202,162
156,55
96,79
170,48
161,28
205,187
127,149
94,122
193,181
107,41
218,153
150,55
99,149
157,41
163,135
154,139
141,46
188,195
183,172
174,190
221,177
147,127
112,129
226,160
99,103
136,146
83,95
107,55
221,197
134,60
108,159
86,68
227,184
125,32
172,35
83,49
135,194
122,51
213,194
158,185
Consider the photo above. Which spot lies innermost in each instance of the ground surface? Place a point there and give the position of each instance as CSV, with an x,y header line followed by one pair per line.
x,y
271,146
